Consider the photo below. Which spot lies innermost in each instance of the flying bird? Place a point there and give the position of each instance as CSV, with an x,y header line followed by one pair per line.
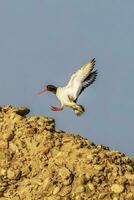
x,y
69,94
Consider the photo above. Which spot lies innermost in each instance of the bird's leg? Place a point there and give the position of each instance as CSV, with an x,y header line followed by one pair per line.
x,y
53,108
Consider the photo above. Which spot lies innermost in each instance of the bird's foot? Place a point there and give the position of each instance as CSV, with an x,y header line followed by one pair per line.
x,y
53,108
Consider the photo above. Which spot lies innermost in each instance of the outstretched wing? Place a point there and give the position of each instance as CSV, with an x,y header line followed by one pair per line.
x,y
79,78
81,74
87,82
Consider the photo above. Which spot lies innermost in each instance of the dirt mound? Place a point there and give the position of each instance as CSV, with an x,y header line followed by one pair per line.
x,y
38,162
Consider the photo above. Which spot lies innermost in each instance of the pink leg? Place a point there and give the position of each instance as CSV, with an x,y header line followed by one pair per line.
x,y
53,108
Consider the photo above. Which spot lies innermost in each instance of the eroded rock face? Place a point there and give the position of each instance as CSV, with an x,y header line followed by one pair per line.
x,y
38,162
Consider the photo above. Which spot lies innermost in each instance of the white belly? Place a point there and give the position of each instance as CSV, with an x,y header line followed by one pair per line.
x,y
63,94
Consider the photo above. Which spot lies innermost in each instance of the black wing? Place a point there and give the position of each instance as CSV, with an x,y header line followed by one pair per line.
x,y
88,81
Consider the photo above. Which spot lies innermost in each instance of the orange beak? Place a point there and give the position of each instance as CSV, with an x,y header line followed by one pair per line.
x,y
42,91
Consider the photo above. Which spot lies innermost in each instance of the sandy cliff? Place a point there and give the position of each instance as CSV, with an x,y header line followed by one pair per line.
x,y
39,162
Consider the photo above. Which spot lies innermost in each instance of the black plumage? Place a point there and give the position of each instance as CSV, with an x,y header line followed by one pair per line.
x,y
88,81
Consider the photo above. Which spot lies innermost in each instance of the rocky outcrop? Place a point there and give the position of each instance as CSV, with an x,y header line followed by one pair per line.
x,y
39,162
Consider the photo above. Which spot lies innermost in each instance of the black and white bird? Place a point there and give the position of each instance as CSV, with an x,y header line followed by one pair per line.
x,y
69,94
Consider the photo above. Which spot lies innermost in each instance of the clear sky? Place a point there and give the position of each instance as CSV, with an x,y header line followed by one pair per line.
x,y
44,41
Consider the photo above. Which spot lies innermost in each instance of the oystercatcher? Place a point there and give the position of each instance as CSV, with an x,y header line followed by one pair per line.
x,y
68,95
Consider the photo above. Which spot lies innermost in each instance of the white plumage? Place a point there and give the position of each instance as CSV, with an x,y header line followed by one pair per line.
x,y
68,95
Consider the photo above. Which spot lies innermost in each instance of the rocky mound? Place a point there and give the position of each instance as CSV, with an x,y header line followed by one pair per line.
x,y
38,162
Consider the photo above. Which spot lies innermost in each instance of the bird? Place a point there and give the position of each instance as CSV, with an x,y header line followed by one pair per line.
x,y
68,95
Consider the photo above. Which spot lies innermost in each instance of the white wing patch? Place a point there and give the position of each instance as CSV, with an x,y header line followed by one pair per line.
x,y
76,81
81,74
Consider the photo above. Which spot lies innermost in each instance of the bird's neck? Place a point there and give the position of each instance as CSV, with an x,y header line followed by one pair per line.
x,y
54,90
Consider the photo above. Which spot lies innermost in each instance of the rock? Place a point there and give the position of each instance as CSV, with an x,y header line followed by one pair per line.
x,y
9,136
102,195
82,180
64,172
129,176
56,190
13,174
99,167
6,108
22,110
46,149
129,168
65,190
91,186
115,198
54,198
46,183
3,145
117,188
130,196
132,188
38,161
80,189
10,174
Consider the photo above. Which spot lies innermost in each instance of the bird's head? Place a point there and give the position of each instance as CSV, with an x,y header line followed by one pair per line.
x,y
49,88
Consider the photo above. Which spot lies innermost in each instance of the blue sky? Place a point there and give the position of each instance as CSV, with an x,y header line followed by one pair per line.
x,y
43,42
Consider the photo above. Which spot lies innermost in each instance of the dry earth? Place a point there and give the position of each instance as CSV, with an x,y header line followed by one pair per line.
x,y
39,162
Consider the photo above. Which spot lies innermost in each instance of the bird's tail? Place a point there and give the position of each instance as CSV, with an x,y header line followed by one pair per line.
x,y
78,109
